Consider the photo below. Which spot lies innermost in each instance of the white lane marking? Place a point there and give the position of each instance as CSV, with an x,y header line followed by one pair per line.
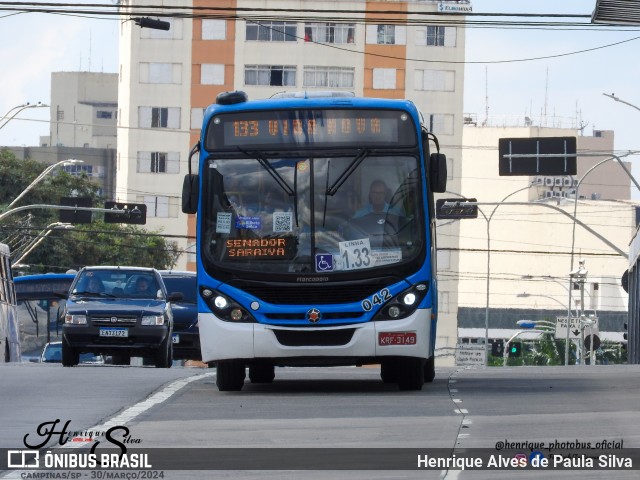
x,y
132,412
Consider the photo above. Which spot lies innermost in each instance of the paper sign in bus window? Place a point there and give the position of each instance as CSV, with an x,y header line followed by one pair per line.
x,y
249,223
356,254
282,222
223,222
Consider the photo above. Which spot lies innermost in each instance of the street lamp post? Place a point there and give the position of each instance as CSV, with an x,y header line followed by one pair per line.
x,y
488,220
40,177
44,234
580,274
12,113
486,312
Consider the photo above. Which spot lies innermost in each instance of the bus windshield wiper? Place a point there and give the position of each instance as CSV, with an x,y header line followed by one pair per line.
x,y
333,189
262,160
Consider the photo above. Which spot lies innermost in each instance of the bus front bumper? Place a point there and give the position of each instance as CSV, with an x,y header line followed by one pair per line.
x,y
408,337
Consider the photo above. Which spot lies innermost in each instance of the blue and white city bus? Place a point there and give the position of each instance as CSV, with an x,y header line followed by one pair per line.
x,y
315,236
9,330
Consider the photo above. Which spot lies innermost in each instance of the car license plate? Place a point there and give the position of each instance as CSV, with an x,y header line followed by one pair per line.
x,y
176,338
114,332
397,338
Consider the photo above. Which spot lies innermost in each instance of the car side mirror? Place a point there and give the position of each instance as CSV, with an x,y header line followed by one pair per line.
x,y
175,296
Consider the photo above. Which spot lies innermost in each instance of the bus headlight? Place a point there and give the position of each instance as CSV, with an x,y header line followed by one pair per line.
x,y
224,307
403,304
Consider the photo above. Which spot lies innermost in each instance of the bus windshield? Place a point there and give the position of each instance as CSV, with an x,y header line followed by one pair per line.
x,y
332,214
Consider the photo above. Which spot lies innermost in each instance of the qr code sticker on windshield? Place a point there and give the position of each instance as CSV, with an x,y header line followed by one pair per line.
x,y
282,221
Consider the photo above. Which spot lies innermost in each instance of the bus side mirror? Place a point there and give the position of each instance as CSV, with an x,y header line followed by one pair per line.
x,y
190,192
438,172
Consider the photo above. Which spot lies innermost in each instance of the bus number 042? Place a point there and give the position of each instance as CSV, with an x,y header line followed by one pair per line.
x,y
379,298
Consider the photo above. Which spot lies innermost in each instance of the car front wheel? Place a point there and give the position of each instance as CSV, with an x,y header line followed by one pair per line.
x,y
70,357
163,358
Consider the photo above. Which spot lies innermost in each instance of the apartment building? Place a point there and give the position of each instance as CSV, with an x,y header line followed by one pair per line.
x,y
388,49
83,110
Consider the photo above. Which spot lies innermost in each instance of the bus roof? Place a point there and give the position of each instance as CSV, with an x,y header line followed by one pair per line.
x,y
43,286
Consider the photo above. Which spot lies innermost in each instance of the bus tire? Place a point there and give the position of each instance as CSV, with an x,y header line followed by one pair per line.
x,y
430,370
262,373
70,357
410,373
389,371
230,375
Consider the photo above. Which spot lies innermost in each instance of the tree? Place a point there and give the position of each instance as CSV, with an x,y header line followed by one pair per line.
x,y
87,244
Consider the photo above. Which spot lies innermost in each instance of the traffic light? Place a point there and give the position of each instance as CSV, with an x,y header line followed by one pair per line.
x,y
515,349
133,213
497,348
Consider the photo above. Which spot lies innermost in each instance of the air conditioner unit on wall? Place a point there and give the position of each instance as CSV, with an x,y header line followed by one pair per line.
x,y
548,181
567,181
558,182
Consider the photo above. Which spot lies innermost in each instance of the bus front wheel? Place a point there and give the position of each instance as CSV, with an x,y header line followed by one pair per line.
x,y
230,375
429,370
410,373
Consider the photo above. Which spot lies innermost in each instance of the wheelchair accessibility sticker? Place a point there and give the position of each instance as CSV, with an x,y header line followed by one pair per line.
x,y
324,262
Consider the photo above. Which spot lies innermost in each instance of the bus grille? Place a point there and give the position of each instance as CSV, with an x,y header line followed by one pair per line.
x,y
295,338
317,294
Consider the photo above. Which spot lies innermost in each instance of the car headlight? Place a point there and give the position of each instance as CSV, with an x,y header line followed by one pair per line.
x,y
224,307
403,304
152,320
71,319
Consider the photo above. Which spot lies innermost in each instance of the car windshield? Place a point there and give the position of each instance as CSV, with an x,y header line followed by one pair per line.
x,y
117,283
52,353
187,285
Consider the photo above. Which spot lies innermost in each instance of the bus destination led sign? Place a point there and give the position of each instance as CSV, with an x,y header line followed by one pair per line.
x,y
302,128
260,248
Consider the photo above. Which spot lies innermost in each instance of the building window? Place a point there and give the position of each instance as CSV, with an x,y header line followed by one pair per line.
x,y
274,75
441,123
386,34
337,77
160,73
197,116
214,29
329,32
79,170
159,117
384,78
437,36
272,32
435,80
104,114
157,206
158,162
212,74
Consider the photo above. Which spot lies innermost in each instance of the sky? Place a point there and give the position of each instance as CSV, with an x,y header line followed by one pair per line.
x,y
568,86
